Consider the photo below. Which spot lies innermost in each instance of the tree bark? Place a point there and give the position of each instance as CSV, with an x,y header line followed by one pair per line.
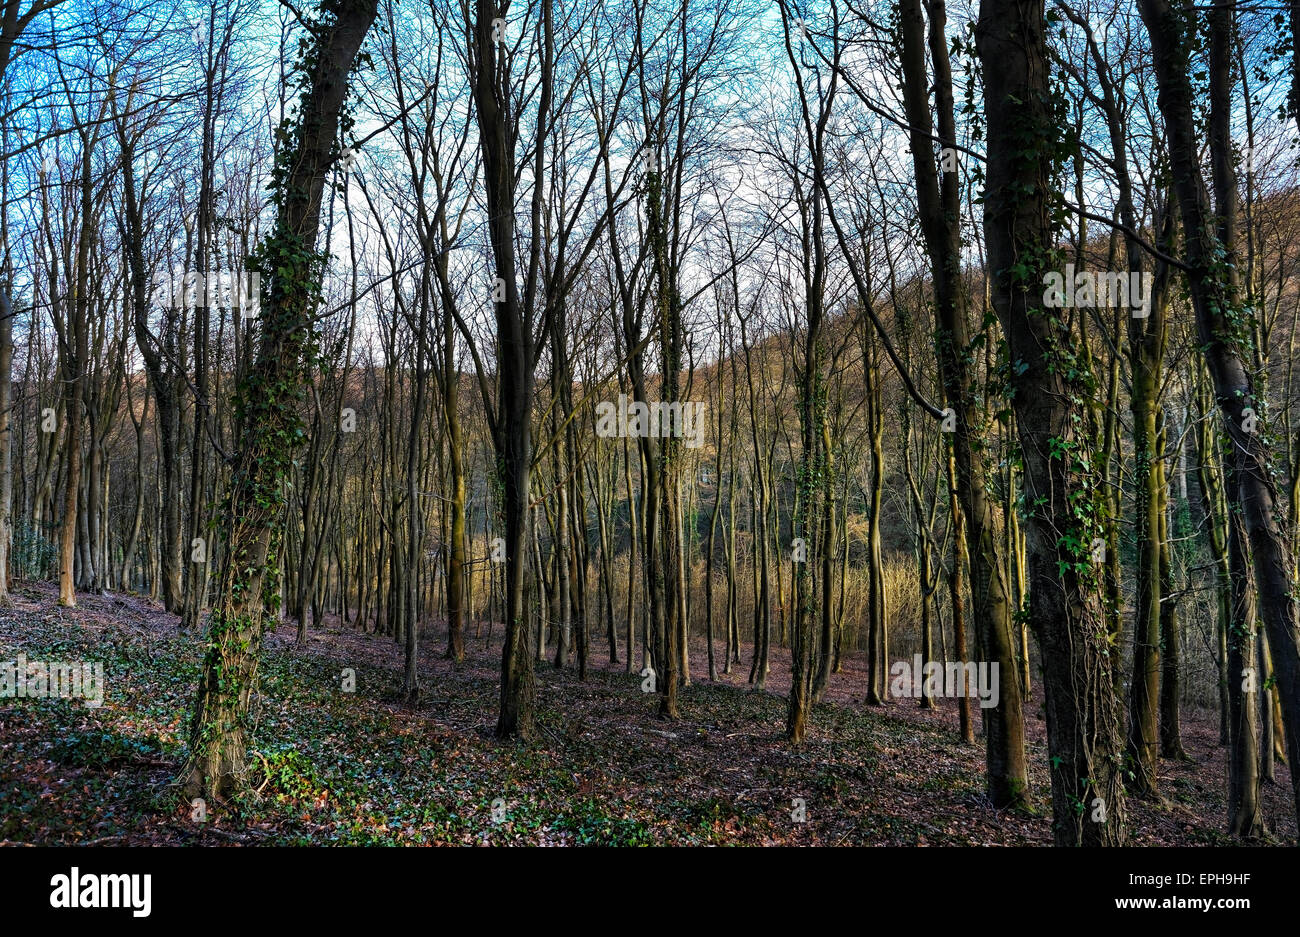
x,y
267,398
1210,239
512,426
1064,606
939,203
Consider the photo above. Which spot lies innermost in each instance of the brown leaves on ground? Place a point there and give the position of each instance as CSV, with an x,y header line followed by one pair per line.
x,y
361,767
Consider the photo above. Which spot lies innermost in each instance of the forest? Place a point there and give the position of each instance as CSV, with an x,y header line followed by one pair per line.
x,y
649,422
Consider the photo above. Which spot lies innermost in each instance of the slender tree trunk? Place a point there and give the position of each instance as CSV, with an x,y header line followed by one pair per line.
x,y
456,557
939,201
1171,736
1210,239
957,599
512,434
6,441
1244,815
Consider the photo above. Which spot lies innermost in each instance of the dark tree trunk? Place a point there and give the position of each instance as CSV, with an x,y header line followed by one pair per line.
x,y
1210,238
512,425
939,201
1064,603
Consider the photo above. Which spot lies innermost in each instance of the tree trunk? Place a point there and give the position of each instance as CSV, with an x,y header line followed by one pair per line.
x,y
1064,607
6,441
266,412
1210,238
512,430
939,202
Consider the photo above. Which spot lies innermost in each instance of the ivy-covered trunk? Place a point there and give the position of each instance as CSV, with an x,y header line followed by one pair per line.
x,y
266,406
1048,385
1224,329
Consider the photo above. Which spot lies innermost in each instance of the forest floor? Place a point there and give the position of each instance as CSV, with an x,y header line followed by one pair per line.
x,y
360,768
